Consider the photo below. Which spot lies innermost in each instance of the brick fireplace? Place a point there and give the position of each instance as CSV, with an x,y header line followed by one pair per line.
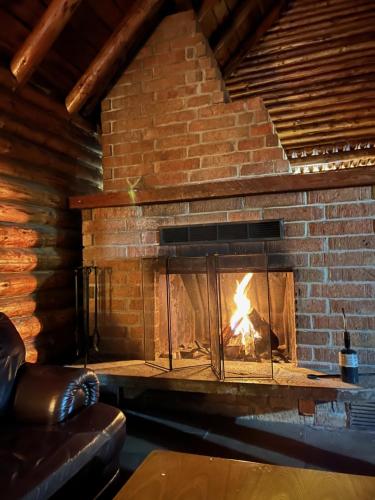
x,y
167,122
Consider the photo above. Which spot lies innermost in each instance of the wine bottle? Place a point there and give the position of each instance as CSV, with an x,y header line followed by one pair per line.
x,y
348,358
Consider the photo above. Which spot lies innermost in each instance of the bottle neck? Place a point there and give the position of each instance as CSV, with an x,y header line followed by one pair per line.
x,y
347,339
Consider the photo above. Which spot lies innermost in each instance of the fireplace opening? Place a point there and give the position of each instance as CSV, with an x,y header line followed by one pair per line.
x,y
226,311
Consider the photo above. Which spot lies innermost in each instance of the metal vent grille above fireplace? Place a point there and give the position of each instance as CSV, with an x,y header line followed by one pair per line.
x,y
223,233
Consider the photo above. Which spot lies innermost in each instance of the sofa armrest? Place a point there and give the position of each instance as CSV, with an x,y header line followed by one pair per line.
x,y
49,394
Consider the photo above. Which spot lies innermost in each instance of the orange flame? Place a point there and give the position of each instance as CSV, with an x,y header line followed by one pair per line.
x,y
240,321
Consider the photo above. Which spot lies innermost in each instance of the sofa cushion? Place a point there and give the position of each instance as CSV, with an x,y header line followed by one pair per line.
x,y
38,460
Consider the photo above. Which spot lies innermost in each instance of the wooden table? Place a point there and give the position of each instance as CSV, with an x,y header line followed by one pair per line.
x,y
166,475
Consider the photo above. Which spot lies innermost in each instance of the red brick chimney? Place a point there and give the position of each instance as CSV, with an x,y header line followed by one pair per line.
x,y
167,120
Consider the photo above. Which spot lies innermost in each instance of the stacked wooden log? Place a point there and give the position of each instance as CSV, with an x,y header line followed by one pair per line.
x,y
45,156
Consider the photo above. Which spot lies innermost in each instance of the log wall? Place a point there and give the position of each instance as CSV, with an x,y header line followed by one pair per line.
x,y
45,156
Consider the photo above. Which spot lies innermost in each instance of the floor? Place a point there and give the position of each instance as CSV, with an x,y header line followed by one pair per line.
x,y
237,438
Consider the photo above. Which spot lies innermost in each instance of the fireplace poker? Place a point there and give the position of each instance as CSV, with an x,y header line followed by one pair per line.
x,y
95,334
86,271
314,376
77,315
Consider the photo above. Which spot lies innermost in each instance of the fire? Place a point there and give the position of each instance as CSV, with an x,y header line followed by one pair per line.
x,y
240,321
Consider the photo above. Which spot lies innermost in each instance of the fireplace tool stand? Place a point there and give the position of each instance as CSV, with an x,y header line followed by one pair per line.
x,y
84,342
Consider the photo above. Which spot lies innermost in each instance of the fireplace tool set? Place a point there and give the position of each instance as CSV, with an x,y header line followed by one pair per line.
x,y
85,341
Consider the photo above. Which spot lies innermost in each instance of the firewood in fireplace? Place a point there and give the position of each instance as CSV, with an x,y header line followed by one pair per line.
x,y
201,347
192,351
261,346
227,334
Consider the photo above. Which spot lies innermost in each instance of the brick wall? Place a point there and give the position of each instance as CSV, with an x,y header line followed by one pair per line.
x,y
166,122
329,242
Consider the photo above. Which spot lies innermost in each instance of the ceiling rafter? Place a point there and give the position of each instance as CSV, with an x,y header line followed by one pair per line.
x,y
110,53
229,30
206,6
40,40
254,37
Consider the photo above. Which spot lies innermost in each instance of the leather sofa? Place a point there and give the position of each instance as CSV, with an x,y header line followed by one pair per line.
x,y
56,439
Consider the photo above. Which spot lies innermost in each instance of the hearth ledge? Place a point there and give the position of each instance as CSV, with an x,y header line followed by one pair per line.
x,y
289,381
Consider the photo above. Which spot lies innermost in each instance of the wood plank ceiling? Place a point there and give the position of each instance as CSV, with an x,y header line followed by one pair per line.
x,y
312,61
226,23
315,70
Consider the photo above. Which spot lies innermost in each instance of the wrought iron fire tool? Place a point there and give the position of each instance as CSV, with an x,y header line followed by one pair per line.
x,y
95,334
314,376
77,312
86,271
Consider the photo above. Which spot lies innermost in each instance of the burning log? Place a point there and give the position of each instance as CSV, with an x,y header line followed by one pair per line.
x,y
193,351
260,326
260,342
227,335
248,335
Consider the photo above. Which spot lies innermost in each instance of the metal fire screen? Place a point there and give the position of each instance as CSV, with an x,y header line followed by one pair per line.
x,y
228,312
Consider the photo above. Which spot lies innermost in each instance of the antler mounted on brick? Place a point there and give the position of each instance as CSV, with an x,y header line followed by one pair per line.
x,y
40,40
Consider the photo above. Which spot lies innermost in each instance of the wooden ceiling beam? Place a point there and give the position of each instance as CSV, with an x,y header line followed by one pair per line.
x,y
245,45
40,40
111,53
206,6
229,29
182,5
